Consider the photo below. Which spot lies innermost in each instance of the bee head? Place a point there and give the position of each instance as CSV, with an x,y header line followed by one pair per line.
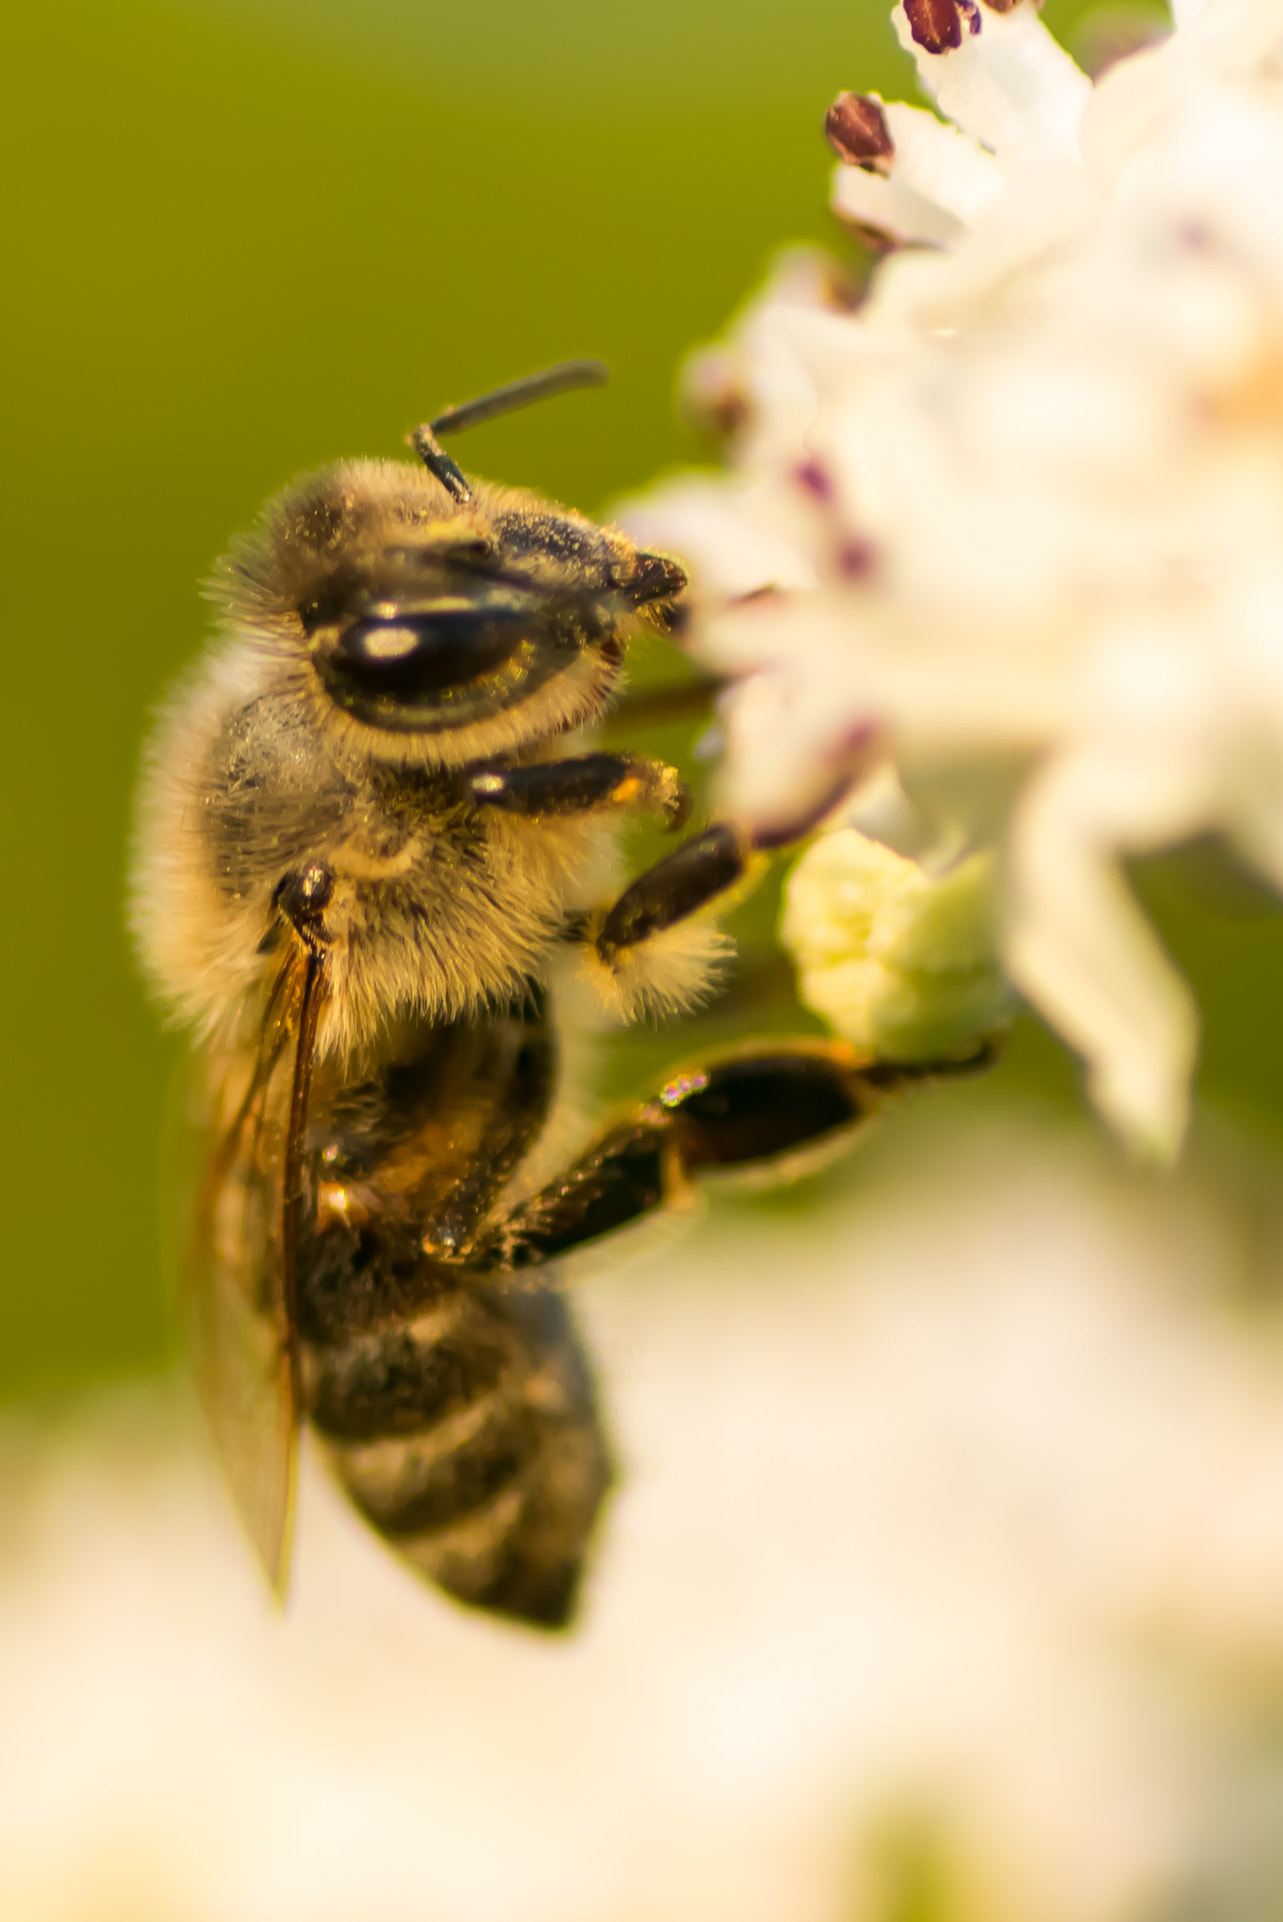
x,y
444,620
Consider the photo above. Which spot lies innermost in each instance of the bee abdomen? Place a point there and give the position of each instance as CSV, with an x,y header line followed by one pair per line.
x,y
470,1439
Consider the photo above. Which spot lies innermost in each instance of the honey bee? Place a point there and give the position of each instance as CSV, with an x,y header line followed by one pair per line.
x,y
369,836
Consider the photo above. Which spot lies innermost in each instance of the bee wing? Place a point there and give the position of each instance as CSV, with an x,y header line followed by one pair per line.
x,y
239,1272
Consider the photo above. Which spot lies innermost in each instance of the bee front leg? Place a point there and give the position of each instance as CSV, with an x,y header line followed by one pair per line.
x,y
581,785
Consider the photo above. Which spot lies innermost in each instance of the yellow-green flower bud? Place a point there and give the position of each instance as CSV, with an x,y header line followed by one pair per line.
x,y
897,960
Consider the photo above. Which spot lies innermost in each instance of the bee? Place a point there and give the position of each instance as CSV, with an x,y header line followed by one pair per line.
x,y
370,835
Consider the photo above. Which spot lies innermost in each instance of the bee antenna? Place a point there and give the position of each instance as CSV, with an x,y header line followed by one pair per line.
x,y
566,375
438,462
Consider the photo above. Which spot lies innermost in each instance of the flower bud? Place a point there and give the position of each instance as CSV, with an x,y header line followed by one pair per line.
x,y
897,960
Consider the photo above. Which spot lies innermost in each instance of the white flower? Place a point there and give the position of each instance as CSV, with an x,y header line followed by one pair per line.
x,y
1022,509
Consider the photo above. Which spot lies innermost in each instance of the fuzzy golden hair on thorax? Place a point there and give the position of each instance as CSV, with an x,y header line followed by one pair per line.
x,y
381,637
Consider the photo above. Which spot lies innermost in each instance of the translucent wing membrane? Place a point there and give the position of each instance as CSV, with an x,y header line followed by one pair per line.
x,y
239,1271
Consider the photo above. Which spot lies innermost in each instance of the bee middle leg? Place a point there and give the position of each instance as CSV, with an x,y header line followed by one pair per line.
x,y
677,887
672,889
649,951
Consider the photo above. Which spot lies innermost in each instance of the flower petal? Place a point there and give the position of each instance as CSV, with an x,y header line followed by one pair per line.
x,y
941,163
1079,947
1008,84
934,184
1053,442
729,554
891,207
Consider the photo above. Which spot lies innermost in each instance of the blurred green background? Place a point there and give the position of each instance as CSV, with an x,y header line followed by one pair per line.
x,y
245,238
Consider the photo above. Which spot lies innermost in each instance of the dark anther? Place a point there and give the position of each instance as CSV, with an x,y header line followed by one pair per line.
x,y
1002,6
856,558
303,898
856,129
936,25
815,479
715,401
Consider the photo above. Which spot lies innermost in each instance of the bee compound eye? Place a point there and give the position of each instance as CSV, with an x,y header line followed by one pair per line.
x,y
408,655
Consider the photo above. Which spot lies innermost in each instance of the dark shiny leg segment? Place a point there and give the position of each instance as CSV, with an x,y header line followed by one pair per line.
x,y
755,1108
679,885
580,785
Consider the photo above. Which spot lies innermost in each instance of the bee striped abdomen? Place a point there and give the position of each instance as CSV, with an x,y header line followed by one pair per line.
x,y
469,1438
459,1413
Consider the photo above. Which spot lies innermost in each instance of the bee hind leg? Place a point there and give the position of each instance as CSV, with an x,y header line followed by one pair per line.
x,y
772,1108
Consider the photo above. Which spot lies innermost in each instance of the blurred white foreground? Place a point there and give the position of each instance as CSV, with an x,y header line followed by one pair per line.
x,y
947,1571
